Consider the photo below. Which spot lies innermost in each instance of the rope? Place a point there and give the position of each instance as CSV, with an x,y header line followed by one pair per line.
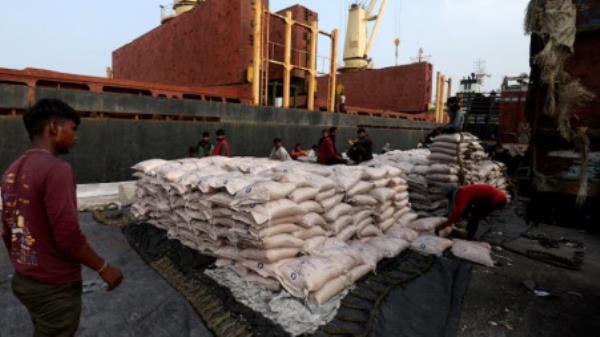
x,y
555,22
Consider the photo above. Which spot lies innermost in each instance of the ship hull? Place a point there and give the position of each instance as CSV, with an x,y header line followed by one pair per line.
x,y
119,130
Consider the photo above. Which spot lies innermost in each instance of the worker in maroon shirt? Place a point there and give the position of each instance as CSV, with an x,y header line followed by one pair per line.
x,y
328,154
222,147
480,199
40,224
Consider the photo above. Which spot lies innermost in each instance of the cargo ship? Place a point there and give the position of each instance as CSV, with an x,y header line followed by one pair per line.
x,y
220,64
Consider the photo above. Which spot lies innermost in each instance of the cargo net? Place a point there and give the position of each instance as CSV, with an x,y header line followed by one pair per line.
x,y
231,307
289,239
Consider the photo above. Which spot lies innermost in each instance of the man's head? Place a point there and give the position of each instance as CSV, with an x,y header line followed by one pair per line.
x,y
205,136
325,133
315,148
453,103
362,133
297,146
54,122
277,142
333,131
220,134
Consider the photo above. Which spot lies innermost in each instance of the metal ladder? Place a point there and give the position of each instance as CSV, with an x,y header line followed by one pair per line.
x,y
265,55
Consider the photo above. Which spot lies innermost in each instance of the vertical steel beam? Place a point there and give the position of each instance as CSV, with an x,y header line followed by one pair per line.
x,y
442,101
257,55
287,69
264,87
449,81
312,74
437,97
333,72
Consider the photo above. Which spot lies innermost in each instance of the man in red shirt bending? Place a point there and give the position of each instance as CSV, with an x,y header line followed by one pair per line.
x,y
328,154
480,199
40,224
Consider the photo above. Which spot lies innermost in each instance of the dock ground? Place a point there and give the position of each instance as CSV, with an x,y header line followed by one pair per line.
x,y
499,301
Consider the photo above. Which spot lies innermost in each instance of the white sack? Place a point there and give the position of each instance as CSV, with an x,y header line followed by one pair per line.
x,y
325,194
337,211
330,289
361,187
275,209
340,223
263,191
406,234
311,206
278,229
304,194
282,241
478,252
362,200
269,255
430,245
332,201
426,224
310,233
312,219
383,194
347,233
374,173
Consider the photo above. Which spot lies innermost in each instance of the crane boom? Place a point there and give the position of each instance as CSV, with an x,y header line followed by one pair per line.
x,y
376,25
371,6
358,40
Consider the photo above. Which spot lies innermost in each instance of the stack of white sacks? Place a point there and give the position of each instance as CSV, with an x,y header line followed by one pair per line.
x,y
494,173
312,229
415,165
452,159
455,160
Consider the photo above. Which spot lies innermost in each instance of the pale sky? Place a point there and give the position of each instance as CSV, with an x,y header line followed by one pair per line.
x,y
78,36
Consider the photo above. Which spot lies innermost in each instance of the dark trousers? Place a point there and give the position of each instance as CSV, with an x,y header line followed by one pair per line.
x,y
478,211
54,309
359,154
335,161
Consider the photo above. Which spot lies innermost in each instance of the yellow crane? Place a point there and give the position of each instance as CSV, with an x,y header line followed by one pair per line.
x,y
359,40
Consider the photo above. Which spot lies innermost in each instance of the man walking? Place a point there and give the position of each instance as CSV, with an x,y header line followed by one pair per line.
x,y
40,224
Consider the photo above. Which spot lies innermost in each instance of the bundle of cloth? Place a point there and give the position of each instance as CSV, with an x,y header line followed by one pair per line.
x,y
311,229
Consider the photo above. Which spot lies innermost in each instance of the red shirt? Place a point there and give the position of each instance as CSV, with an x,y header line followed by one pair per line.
x,y
298,153
39,216
327,151
481,193
222,148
